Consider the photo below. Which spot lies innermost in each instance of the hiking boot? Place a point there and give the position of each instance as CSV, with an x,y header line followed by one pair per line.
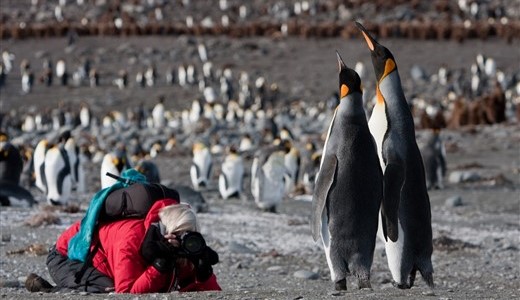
x,y
35,283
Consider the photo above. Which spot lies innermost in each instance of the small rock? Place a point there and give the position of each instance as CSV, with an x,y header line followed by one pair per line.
x,y
463,176
274,269
9,283
454,201
238,265
6,237
429,293
239,248
304,274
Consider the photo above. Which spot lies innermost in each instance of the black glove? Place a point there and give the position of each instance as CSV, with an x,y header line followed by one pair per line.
x,y
156,246
164,265
209,256
203,265
203,272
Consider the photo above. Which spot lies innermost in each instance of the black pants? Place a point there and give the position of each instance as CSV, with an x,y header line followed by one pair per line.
x,y
63,271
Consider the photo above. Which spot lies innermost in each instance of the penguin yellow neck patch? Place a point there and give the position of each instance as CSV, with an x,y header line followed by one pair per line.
x,y
389,67
369,42
380,99
343,91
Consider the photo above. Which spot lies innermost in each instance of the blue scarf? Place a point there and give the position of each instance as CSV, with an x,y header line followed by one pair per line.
x,y
79,245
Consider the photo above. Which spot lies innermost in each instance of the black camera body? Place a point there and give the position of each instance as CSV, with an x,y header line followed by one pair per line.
x,y
192,244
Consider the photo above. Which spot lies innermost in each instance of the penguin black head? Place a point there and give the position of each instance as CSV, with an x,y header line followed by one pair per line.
x,y
382,59
349,81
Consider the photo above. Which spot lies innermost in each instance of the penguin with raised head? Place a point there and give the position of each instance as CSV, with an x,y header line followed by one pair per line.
x,y
201,167
349,188
405,214
434,159
11,167
230,180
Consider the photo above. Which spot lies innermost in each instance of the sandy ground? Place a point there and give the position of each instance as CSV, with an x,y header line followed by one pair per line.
x,y
477,244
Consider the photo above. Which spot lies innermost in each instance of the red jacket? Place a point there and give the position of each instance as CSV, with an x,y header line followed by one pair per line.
x,y
118,256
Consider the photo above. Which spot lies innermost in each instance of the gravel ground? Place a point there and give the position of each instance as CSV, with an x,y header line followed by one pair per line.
x,y
263,255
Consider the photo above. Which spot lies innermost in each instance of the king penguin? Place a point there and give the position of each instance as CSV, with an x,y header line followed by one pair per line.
x,y
405,215
39,165
230,181
200,171
434,159
115,162
268,173
348,192
11,166
58,175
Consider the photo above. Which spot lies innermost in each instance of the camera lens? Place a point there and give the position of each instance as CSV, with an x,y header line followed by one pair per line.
x,y
193,243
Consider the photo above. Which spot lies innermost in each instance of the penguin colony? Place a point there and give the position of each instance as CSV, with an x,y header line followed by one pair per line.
x,y
456,20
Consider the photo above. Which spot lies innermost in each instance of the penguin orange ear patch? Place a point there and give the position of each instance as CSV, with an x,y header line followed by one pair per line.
x,y
369,41
343,91
389,66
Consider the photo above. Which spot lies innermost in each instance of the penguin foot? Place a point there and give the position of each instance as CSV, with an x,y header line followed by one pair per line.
x,y
364,284
341,285
271,209
428,278
402,286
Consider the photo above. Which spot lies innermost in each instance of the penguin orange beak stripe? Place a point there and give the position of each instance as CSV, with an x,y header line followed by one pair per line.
x,y
369,41
344,90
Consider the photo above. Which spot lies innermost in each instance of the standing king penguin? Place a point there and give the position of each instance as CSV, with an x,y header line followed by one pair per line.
x,y
348,192
405,214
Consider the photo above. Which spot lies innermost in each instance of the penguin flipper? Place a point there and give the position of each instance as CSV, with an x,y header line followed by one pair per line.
x,y
321,191
393,183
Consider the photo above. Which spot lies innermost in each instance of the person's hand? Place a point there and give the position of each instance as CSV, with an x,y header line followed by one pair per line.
x,y
172,239
164,265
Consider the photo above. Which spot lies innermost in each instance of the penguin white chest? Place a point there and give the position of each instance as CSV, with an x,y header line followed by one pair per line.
x,y
378,126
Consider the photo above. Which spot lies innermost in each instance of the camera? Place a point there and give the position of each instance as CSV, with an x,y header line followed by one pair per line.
x,y
192,244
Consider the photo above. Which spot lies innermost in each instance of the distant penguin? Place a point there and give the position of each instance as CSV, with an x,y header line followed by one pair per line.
x,y
159,120
406,214
267,178
27,81
76,161
149,169
58,175
11,167
115,162
230,180
201,167
310,172
61,72
85,115
39,164
434,158
292,161
349,188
